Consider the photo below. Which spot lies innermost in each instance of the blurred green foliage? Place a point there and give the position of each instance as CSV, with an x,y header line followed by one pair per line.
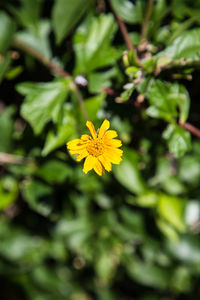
x,y
130,234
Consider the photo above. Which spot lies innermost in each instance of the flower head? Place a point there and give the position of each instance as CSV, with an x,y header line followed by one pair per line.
x,y
99,150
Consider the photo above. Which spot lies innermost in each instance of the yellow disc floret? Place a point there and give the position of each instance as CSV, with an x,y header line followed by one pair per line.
x,y
95,147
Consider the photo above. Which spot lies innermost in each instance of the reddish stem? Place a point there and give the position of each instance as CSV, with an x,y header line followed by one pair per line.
x,y
191,128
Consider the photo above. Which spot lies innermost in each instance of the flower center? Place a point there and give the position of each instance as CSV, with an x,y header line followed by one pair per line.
x,y
95,147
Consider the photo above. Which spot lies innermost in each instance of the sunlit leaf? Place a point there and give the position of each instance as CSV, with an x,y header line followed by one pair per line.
x,y
8,192
186,45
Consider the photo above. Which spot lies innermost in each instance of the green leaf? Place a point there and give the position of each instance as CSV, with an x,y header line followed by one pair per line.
x,y
173,186
171,209
128,174
66,130
7,30
178,139
148,274
182,98
43,102
8,192
133,220
38,41
22,248
187,250
179,8
164,99
93,105
105,266
99,81
14,72
75,230
159,11
4,65
129,12
181,280
167,229
189,169
28,14
162,105
147,199
7,129
127,93
65,15
187,45
54,171
33,192
92,44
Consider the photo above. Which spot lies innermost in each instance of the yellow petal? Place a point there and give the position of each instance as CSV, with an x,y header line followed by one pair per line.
x,y
103,128
89,163
91,129
114,156
82,155
105,162
98,168
113,143
77,149
72,152
110,134
73,143
85,137
114,151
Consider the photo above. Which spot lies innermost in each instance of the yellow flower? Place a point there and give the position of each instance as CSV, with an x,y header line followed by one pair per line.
x,y
100,150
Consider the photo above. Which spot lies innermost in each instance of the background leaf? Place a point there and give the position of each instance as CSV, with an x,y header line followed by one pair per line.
x,y
33,191
7,30
8,192
63,23
178,139
39,40
172,210
128,173
43,102
7,129
164,99
129,12
92,44
187,45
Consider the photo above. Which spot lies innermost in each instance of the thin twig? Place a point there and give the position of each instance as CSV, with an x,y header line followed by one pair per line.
x,y
81,103
146,20
124,32
182,63
6,158
195,131
126,36
45,61
54,68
